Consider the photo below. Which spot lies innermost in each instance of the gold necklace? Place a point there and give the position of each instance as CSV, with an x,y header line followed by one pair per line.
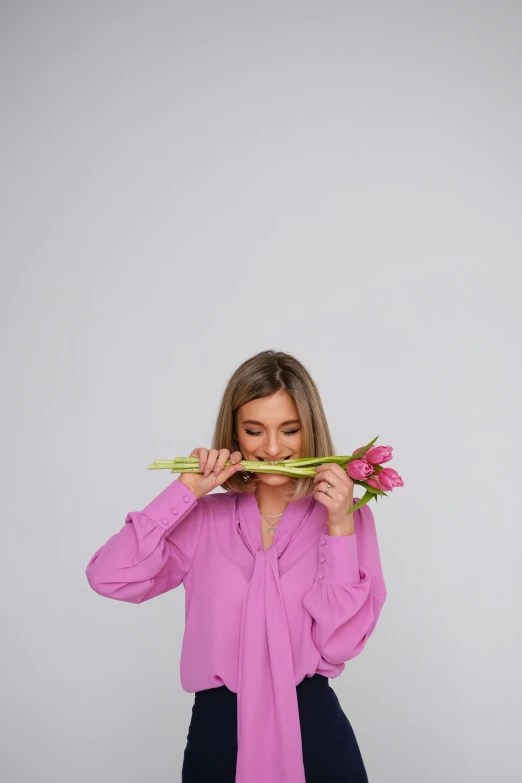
x,y
272,516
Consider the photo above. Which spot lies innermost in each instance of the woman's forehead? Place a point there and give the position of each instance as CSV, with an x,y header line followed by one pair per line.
x,y
277,409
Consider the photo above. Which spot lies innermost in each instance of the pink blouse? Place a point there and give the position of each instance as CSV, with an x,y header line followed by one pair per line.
x,y
257,621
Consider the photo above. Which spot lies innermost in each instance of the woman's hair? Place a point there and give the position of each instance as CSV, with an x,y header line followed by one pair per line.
x,y
261,376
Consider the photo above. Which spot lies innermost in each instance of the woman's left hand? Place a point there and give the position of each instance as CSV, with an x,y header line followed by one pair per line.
x,y
339,499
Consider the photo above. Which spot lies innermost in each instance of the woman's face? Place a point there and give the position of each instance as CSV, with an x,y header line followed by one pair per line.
x,y
269,428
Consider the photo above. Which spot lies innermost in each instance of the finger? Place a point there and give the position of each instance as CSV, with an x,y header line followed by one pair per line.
x,y
326,500
221,460
326,475
227,472
201,454
330,491
236,457
211,461
337,469
333,477
333,468
318,472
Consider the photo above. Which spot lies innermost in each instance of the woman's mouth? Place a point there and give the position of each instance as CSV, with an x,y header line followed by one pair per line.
x,y
273,461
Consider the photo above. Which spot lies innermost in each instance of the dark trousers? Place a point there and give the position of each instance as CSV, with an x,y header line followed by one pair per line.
x,y
330,750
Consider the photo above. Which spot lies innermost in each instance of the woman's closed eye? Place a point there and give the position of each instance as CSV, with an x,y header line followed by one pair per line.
x,y
289,432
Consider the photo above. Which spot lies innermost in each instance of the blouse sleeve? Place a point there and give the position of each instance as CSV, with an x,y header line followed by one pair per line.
x,y
348,592
153,551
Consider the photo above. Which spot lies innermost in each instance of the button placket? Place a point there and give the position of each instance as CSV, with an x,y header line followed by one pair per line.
x,y
322,559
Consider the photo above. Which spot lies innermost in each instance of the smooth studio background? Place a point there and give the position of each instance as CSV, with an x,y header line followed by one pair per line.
x,y
184,185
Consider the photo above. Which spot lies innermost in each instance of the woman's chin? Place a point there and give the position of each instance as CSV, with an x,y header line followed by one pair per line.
x,y
274,479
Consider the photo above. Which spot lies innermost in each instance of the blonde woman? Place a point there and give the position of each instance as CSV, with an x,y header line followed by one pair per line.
x,y
283,585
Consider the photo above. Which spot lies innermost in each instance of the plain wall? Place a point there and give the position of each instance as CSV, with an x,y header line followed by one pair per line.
x,y
184,185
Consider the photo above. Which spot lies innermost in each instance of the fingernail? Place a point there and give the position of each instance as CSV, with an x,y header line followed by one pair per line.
x,y
216,470
206,473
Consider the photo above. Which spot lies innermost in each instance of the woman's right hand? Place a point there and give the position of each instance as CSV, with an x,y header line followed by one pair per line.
x,y
212,464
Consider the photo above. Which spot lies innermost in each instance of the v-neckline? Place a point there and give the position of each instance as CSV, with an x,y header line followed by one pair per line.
x,y
273,537
250,515
283,516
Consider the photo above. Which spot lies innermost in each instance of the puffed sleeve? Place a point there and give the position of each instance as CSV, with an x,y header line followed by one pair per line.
x,y
153,551
348,592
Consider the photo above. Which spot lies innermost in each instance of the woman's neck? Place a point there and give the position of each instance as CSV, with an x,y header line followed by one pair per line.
x,y
271,500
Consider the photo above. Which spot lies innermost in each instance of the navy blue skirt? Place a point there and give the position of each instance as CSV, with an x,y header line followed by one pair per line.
x,y
330,750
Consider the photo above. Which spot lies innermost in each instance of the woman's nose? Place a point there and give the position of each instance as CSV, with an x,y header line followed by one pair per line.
x,y
273,448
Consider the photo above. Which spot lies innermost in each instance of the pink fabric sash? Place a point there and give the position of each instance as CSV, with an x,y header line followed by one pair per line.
x,y
269,731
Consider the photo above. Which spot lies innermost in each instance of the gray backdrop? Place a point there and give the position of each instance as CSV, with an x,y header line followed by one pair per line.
x,y
184,185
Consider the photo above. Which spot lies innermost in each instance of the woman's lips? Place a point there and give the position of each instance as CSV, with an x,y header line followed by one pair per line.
x,y
264,459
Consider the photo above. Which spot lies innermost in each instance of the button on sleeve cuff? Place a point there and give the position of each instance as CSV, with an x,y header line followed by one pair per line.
x,y
338,561
169,507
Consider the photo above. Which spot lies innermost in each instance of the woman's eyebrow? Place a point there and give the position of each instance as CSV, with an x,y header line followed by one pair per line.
x,y
283,423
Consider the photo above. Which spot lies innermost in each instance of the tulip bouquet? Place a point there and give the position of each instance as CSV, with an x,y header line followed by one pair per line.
x,y
364,467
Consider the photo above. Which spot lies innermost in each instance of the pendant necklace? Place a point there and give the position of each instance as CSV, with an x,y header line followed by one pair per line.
x,y
271,516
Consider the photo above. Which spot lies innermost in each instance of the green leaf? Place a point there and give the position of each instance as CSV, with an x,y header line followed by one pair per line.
x,y
362,502
363,451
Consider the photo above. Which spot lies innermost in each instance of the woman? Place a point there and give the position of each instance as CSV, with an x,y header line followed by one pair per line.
x,y
282,586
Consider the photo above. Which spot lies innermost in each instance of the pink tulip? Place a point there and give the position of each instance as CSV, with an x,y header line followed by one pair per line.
x,y
378,454
359,469
386,480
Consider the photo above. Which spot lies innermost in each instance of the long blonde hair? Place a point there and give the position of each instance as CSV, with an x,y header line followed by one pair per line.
x,y
261,376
